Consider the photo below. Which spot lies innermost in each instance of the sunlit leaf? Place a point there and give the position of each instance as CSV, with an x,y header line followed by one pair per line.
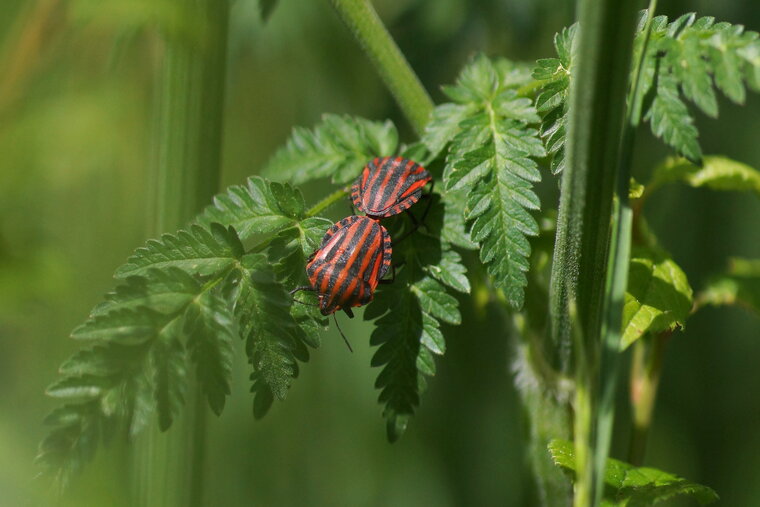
x,y
338,147
658,297
626,485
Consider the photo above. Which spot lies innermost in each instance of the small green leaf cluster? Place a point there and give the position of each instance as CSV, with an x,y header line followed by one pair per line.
x,y
659,298
553,75
688,58
631,486
685,59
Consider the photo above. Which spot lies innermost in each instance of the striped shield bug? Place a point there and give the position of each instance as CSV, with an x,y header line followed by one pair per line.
x,y
344,271
387,186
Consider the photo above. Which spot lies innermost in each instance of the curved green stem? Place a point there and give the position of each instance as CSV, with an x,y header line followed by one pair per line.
x,y
327,202
390,63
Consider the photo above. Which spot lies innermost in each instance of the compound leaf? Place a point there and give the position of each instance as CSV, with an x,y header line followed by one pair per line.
x,y
338,147
690,56
407,331
274,341
258,207
491,160
210,327
197,250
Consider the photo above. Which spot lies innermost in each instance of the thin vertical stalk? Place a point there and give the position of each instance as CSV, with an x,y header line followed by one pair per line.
x,y
579,271
619,259
185,175
389,61
648,354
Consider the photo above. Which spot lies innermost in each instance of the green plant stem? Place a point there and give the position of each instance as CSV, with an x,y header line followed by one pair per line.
x,y
646,369
390,63
579,271
619,259
327,202
185,175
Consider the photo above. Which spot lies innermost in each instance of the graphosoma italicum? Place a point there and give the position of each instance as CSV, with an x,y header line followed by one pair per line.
x,y
389,185
344,271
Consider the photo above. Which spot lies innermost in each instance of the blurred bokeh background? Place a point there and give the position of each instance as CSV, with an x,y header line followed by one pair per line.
x,y
77,86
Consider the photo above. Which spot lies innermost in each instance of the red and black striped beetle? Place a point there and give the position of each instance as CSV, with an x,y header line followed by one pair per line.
x,y
389,185
344,271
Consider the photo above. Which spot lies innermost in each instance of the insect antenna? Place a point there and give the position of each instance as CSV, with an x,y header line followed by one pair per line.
x,y
302,288
341,333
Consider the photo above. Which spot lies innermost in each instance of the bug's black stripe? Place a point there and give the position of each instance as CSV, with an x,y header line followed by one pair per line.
x,y
387,254
361,250
385,188
387,176
340,268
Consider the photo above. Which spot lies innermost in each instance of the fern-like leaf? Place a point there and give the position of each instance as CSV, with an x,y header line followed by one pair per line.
x,y
553,74
259,207
274,341
136,362
338,148
168,364
407,331
491,159
197,250
288,255
210,327
689,56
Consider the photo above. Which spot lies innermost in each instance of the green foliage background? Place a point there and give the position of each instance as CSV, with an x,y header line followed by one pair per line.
x,y
75,143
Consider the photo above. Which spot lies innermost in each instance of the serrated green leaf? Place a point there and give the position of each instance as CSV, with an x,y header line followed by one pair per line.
x,y
259,207
288,254
273,338
454,230
671,121
127,326
80,387
740,285
338,147
165,291
717,173
66,449
491,160
198,250
626,485
139,397
407,332
693,73
444,125
209,326
552,95
102,360
450,271
658,298
168,360
692,54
